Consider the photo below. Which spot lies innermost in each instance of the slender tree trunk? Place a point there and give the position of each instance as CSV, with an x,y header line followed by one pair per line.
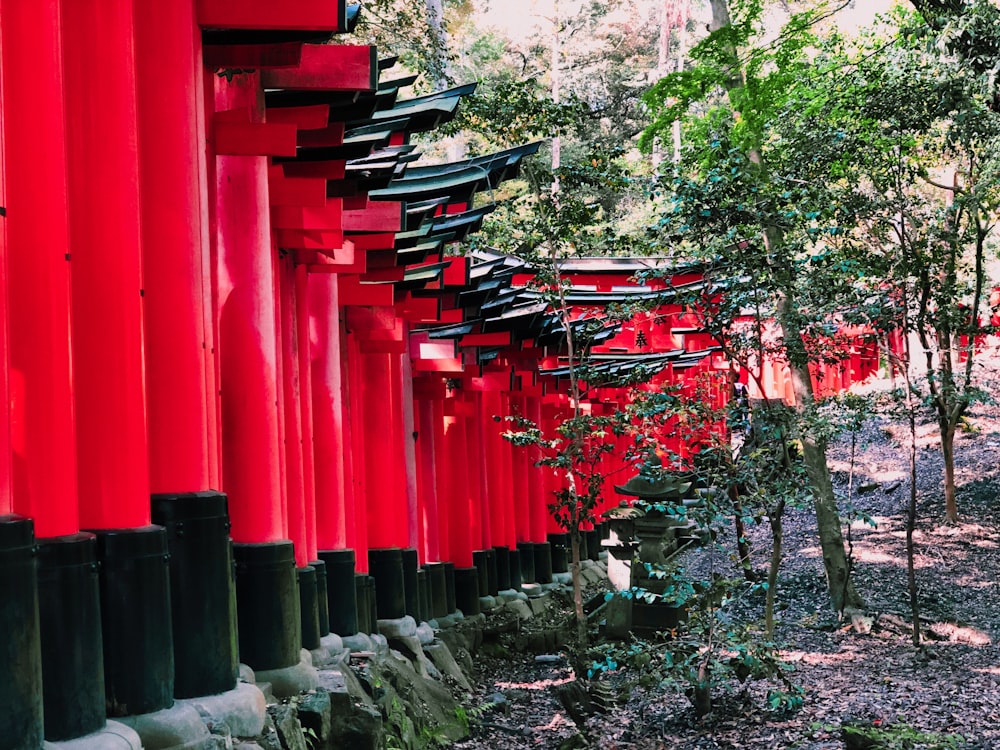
x,y
947,428
742,545
843,596
838,574
776,519
581,618
435,21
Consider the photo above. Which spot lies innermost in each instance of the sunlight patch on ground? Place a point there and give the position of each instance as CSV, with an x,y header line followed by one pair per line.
x,y
970,581
867,555
536,685
814,657
987,670
811,552
558,722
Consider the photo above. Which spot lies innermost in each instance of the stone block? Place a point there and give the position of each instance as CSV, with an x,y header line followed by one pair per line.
x,y
243,709
522,609
179,726
425,633
292,680
442,658
398,627
316,716
287,725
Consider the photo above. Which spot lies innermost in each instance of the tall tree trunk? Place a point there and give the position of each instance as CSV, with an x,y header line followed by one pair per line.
x,y
775,518
838,571
439,37
947,428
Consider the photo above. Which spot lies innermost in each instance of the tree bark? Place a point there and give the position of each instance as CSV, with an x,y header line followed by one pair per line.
x,y
947,428
775,518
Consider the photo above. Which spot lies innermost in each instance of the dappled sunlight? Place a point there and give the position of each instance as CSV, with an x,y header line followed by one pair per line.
x,y
836,658
536,685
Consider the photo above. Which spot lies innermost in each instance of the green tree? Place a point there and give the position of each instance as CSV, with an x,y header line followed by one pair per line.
x,y
762,207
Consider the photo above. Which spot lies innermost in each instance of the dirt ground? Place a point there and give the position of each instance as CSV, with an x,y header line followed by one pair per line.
x,y
950,686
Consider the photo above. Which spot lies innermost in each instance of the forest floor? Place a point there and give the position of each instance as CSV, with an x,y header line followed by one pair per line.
x,y
946,694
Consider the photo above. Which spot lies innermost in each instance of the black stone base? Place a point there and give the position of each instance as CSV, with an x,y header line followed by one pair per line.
x,y
386,567
559,548
593,544
543,562
69,604
308,607
467,590
202,591
267,605
514,568
411,595
322,597
451,598
341,590
21,723
364,594
526,553
438,589
502,555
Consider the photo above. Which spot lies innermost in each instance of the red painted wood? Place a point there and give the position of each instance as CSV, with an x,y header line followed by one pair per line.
x,y
470,408
267,14
442,482
385,488
457,274
304,354
247,335
496,482
330,242
506,471
171,159
295,191
356,478
520,477
403,385
376,216
537,497
374,241
328,67
352,292
254,138
463,522
281,55
330,170
305,118
328,413
427,487
327,217
501,338
33,251
291,380
331,134
105,237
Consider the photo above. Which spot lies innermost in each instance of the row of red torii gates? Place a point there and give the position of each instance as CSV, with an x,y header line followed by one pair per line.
x,y
225,288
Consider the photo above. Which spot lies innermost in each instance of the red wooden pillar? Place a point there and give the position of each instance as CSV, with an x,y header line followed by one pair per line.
x,y
37,235
108,352
107,285
442,479
385,484
181,406
304,353
506,469
291,415
269,617
248,352
428,508
497,475
464,525
521,476
407,436
538,498
355,480
328,412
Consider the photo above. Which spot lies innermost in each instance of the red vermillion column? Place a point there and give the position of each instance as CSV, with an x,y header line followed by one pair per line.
x,y
521,475
403,383
172,161
304,352
107,267
464,524
476,459
442,482
248,361
328,412
356,480
428,508
537,485
35,184
496,478
510,538
108,352
292,412
385,484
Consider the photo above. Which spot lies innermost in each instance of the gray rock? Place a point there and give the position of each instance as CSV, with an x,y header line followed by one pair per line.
x,y
315,716
442,658
293,680
539,604
288,727
380,644
549,659
531,590
333,643
509,595
243,709
486,603
397,628
521,608
179,726
357,642
356,727
564,579
114,736
247,675
425,633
